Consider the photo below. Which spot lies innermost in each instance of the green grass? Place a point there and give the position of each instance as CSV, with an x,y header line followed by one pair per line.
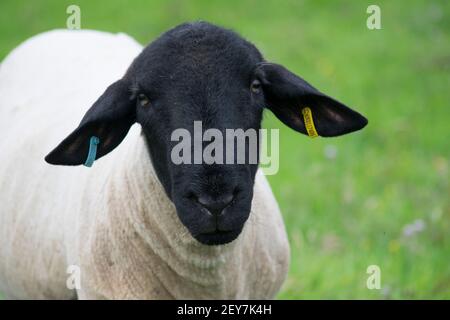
x,y
348,212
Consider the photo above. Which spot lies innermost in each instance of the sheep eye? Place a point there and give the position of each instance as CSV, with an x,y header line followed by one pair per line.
x,y
143,100
256,86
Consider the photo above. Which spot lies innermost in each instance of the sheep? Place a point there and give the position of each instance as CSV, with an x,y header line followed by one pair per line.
x,y
136,225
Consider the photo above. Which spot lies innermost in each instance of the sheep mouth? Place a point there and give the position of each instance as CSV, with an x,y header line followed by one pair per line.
x,y
217,237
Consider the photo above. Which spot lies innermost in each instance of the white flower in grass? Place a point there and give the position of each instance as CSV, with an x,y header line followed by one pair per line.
x,y
416,227
330,151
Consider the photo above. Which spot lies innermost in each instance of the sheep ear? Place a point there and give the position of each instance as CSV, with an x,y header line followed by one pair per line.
x,y
102,128
302,107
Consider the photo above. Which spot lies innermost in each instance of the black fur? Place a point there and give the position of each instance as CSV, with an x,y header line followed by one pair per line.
x,y
198,71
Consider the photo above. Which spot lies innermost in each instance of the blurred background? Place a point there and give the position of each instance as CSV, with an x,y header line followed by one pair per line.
x,y
377,197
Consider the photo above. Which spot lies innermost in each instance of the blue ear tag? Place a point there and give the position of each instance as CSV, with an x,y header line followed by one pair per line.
x,y
92,151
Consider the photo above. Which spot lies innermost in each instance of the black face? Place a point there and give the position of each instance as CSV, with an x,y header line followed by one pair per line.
x,y
200,83
200,72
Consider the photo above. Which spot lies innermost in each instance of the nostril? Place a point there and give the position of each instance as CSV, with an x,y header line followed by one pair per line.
x,y
216,207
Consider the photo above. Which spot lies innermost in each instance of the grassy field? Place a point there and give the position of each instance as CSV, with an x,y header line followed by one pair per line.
x,y
378,197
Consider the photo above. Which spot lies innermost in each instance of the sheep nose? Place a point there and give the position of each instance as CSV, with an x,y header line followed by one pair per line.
x,y
216,206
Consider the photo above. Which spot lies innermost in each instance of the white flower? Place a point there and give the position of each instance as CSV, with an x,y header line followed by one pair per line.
x,y
330,151
416,227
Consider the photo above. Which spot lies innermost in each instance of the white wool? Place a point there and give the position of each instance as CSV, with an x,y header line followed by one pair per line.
x,y
113,220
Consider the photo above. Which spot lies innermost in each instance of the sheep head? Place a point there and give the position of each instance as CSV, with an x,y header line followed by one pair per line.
x,y
202,74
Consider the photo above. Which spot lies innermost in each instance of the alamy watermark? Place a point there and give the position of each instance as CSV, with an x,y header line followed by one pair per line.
x,y
374,279
374,20
231,146
73,21
73,281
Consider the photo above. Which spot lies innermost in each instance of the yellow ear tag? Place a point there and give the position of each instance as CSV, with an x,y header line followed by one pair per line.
x,y
309,122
